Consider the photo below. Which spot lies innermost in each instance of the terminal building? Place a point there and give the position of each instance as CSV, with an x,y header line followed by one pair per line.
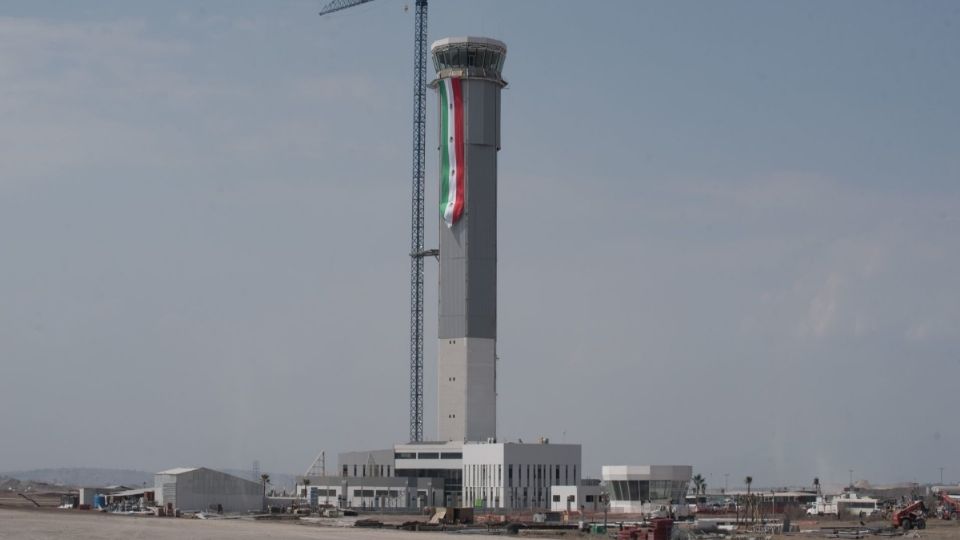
x,y
490,475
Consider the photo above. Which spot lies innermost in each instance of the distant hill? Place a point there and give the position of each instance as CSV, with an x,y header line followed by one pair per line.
x,y
278,481
94,477
8,484
84,477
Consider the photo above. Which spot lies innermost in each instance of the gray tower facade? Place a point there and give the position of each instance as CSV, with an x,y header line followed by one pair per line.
x,y
468,84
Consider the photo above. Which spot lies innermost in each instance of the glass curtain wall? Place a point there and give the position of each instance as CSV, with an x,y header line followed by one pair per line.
x,y
648,490
467,56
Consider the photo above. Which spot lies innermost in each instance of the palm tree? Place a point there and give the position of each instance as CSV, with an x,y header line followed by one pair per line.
x,y
816,484
698,483
749,509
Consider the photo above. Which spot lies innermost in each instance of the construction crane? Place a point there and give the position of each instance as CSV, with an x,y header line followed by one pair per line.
x,y
417,252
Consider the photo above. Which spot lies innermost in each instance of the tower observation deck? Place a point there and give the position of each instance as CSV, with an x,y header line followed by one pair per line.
x,y
468,83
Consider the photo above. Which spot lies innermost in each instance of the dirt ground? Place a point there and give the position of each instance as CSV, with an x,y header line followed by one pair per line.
x,y
936,529
80,525
45,523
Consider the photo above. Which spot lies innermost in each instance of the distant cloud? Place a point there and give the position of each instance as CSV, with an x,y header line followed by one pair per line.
x,y
823,309
78,95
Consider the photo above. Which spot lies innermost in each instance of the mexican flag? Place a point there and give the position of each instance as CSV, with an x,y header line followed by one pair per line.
x,y
451,150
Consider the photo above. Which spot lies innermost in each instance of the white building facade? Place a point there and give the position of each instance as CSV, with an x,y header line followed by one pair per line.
x,y
473,474
581,498
517,475
438,460
645,488
371,493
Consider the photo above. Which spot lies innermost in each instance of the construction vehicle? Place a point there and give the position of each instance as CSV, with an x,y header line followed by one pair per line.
x,y
950,507
912,516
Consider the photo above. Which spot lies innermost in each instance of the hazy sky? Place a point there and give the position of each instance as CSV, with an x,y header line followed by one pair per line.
x,y
729,233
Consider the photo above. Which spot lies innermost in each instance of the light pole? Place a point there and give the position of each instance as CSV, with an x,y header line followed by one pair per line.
x,y
941,476
851,477
726,476
606,504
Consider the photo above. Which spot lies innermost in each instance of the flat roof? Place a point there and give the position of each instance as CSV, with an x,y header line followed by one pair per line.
x,y
131,492
469,40
179,470
647,472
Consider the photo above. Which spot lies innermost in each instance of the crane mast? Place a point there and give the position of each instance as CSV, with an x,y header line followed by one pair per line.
x,y
416,220
417,252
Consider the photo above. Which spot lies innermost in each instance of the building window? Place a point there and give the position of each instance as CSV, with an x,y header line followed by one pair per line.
x,y
510,475
451,455
345,471
354,470
428,455
405,455
556,498
589,498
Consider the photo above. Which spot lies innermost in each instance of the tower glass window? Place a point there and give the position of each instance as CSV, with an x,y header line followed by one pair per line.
x,y
469,57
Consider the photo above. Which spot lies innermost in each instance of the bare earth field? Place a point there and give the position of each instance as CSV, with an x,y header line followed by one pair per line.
x,y
79,525
936,530
48,523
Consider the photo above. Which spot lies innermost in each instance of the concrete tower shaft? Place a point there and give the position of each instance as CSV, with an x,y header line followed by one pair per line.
x,y
468,84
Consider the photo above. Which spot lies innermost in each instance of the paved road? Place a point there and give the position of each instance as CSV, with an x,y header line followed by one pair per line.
x,y
80,525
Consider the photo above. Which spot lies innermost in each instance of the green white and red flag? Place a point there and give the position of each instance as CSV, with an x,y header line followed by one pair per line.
x,y
451,150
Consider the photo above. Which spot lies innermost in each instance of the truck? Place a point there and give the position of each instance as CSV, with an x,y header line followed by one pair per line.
x,y
949,507
912,516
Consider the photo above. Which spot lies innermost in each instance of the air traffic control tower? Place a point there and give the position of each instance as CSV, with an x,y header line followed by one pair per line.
x,y
468,83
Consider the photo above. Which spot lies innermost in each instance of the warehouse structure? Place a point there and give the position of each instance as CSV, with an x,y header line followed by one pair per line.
x,y
201,489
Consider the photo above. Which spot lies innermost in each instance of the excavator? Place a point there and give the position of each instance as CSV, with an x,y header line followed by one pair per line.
x,y
951,506
912,516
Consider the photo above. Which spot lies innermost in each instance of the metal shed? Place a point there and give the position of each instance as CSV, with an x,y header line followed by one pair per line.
x,y
201,489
